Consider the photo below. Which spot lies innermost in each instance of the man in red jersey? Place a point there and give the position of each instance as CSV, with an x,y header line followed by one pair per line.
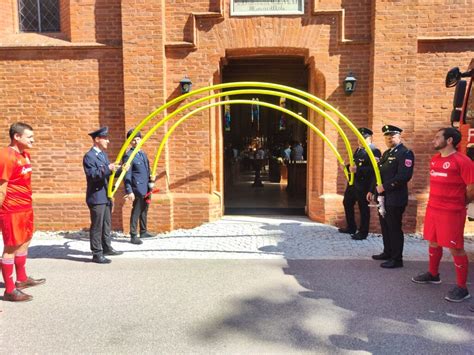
x,y
451,188
16,211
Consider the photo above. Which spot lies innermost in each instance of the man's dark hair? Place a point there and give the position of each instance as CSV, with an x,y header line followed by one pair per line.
x,y
453,133
18,127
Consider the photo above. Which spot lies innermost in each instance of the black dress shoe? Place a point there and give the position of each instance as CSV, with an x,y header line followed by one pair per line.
x,y
135,240
100,259
381,256
359,236
146,235
346,230
392,264
112,252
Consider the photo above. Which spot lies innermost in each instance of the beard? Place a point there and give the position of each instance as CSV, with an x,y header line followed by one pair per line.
x,y
441,145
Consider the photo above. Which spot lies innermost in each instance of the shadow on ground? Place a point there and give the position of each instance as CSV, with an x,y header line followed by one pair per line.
x,y
352,305
65,250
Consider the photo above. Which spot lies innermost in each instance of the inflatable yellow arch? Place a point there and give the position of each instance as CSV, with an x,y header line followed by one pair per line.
x,y
250,88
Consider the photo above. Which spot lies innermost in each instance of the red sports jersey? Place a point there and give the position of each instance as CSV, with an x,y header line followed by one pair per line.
x,y
15,168
448,179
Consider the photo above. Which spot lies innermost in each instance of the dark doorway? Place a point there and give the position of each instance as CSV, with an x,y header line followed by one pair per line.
x,y
261,176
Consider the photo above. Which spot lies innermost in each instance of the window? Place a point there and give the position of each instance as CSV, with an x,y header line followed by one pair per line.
x,y
38,15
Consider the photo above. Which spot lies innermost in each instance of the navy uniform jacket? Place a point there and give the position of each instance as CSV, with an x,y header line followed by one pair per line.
x,y
396,169
137,177
364,175
96,167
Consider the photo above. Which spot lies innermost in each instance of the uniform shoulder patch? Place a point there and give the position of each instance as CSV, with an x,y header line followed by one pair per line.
x,y
408,163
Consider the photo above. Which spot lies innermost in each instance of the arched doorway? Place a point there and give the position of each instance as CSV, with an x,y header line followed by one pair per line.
x,y
260,177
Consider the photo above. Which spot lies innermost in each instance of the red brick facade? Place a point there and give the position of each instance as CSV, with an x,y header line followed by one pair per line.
x,y
115,62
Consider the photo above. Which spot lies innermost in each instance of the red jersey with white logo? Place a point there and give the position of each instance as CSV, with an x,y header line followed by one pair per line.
x,y
15,168
448,179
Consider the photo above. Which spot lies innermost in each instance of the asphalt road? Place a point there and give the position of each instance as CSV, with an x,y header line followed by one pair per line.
x,y
184,306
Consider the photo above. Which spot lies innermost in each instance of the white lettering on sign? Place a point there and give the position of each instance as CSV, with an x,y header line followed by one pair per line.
x,y
470,135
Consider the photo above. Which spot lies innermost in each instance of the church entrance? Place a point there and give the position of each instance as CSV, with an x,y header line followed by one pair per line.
x,y
265,158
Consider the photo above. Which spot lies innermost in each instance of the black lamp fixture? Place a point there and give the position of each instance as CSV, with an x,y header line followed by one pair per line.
x,y
186,85
350,84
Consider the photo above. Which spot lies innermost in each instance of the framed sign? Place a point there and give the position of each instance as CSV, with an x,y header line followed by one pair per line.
x,y
266,7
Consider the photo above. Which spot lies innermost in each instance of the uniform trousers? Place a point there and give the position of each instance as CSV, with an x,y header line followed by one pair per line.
x,y
139,213
351,196
392,233
101,222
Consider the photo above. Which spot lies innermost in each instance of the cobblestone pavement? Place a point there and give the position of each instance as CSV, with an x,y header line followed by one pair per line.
x,y
235,237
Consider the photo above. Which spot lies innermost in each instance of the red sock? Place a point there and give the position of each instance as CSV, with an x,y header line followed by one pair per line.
x,y
7,273
435,257
20,262
461,264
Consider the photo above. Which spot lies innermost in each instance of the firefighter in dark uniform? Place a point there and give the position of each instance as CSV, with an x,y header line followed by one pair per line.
x,y
363,180
396,169
98,168
137,186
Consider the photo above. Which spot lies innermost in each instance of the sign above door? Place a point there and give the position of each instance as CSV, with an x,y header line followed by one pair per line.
x,y
266,7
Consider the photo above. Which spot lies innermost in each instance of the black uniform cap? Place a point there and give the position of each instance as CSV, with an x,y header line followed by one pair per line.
x,y
391,130
101,132
365,132
129,133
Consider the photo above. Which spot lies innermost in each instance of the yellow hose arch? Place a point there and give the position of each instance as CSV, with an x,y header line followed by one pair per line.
x,y
271,93
112,190
349,176
250,102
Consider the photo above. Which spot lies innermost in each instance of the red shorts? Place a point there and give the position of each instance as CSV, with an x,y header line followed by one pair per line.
x,y
17,228
445,228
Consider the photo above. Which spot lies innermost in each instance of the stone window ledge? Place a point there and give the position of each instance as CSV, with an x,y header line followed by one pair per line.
x,y
44,40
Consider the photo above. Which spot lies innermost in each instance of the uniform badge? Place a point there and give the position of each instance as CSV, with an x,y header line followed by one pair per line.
x,y
446,165
408,163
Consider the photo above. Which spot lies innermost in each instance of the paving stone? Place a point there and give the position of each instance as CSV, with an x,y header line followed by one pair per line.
x,y
235,237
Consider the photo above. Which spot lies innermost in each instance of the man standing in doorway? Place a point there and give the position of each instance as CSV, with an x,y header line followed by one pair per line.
x,y
136,184
363,180
297,151
16,212
451,188
98,168
396,169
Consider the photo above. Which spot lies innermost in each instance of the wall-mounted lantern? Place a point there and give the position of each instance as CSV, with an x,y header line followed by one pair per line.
x,y
186,85
350,84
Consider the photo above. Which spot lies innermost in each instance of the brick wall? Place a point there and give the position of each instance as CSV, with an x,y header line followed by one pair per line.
x,y
115,62
7,9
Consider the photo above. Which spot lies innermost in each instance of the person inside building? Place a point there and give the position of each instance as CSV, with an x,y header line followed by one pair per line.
x,y
297,151
259,160
137,187
363,180
16,212
286,154
396,169
98,169
451,188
